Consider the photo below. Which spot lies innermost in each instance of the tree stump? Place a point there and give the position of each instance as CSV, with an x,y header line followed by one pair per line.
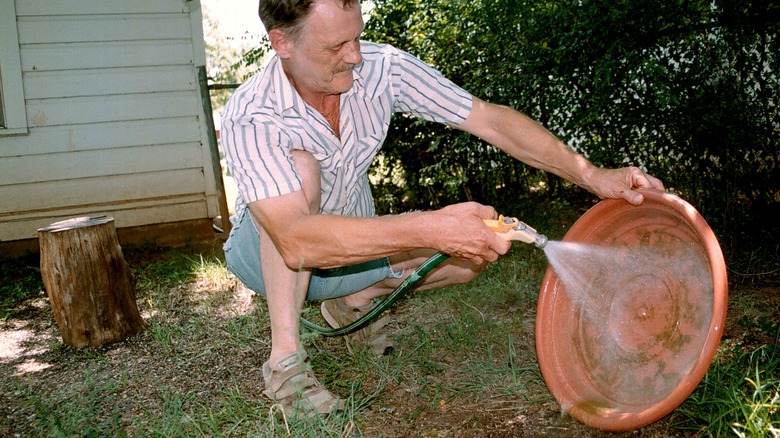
x,y
90,287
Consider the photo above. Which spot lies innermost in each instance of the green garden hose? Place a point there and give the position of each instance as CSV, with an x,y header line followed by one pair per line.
x,y
417,275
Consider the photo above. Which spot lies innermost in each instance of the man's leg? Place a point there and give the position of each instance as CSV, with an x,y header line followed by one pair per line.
x,y
286,288
288,376
285,293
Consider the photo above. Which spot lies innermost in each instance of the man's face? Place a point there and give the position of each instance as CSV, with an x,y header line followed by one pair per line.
x,y
327,49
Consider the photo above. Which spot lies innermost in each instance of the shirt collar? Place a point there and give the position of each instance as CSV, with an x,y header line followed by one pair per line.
x,y
357,80
287,98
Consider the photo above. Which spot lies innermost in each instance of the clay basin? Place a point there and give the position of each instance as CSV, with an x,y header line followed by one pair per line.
x,y
625,340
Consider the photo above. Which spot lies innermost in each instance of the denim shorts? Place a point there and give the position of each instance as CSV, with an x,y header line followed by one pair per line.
x,y
242,253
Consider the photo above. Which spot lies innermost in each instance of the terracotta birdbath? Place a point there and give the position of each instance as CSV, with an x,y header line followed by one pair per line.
x,y
640,326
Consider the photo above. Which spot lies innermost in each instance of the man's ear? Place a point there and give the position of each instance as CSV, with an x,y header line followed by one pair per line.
x,y
280,42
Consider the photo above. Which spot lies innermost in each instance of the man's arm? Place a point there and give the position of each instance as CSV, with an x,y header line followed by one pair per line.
x,y
526,140
317,240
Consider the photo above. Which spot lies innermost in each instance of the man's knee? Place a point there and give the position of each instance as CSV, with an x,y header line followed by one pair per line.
x,y
452,271
466,272
456,271
309,170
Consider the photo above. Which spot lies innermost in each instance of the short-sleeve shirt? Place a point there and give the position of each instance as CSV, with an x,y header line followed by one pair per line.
x,y
266,119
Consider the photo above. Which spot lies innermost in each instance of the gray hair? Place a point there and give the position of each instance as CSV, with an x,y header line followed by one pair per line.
x,y
288,15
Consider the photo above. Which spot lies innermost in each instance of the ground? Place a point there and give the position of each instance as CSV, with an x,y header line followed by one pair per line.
x,y
130,385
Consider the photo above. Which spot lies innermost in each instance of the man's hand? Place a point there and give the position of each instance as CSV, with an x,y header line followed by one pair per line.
x,y
622,183
462,233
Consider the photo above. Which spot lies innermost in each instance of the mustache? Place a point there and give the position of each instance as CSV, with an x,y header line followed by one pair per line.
x,y
348,67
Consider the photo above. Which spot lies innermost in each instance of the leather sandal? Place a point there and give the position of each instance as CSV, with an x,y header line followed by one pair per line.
x,y
291,384
339,315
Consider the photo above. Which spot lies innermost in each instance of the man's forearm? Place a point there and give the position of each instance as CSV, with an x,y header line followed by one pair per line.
x,y
325,241
523,138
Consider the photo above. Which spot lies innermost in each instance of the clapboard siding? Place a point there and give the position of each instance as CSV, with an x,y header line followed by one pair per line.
x,y
115,162
98,109
82,83
102,28
105,55
47,8
116,123
98,136
80,210
125,214
53,195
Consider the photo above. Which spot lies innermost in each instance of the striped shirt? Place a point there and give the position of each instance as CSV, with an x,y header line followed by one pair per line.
x,y
266,118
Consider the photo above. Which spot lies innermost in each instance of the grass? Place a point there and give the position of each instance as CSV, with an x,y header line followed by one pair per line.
x,y
20,280
464,355
74,410
739,396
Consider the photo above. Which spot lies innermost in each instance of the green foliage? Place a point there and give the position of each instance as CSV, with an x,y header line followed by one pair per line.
x,y
685,89
228,63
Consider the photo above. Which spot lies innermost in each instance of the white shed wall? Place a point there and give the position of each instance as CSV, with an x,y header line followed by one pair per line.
x,y
114,115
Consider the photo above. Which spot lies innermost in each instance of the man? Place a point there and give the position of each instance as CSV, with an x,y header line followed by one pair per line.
x,y
299,137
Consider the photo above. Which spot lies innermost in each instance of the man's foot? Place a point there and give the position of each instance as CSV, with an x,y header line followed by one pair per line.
x,y
291,384
339,315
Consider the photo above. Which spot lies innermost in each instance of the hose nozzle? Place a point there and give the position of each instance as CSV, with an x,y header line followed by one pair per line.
x,y
511,228
540,240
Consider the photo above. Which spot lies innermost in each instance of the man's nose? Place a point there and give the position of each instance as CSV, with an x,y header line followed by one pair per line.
x,y
353,55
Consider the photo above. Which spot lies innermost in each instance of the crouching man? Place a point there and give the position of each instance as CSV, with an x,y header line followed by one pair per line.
x,y
299,137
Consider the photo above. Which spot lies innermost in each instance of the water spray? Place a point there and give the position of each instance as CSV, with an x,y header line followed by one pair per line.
x,y
509,228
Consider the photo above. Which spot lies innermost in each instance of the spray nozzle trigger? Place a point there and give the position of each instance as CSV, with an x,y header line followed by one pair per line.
x,y
511,228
